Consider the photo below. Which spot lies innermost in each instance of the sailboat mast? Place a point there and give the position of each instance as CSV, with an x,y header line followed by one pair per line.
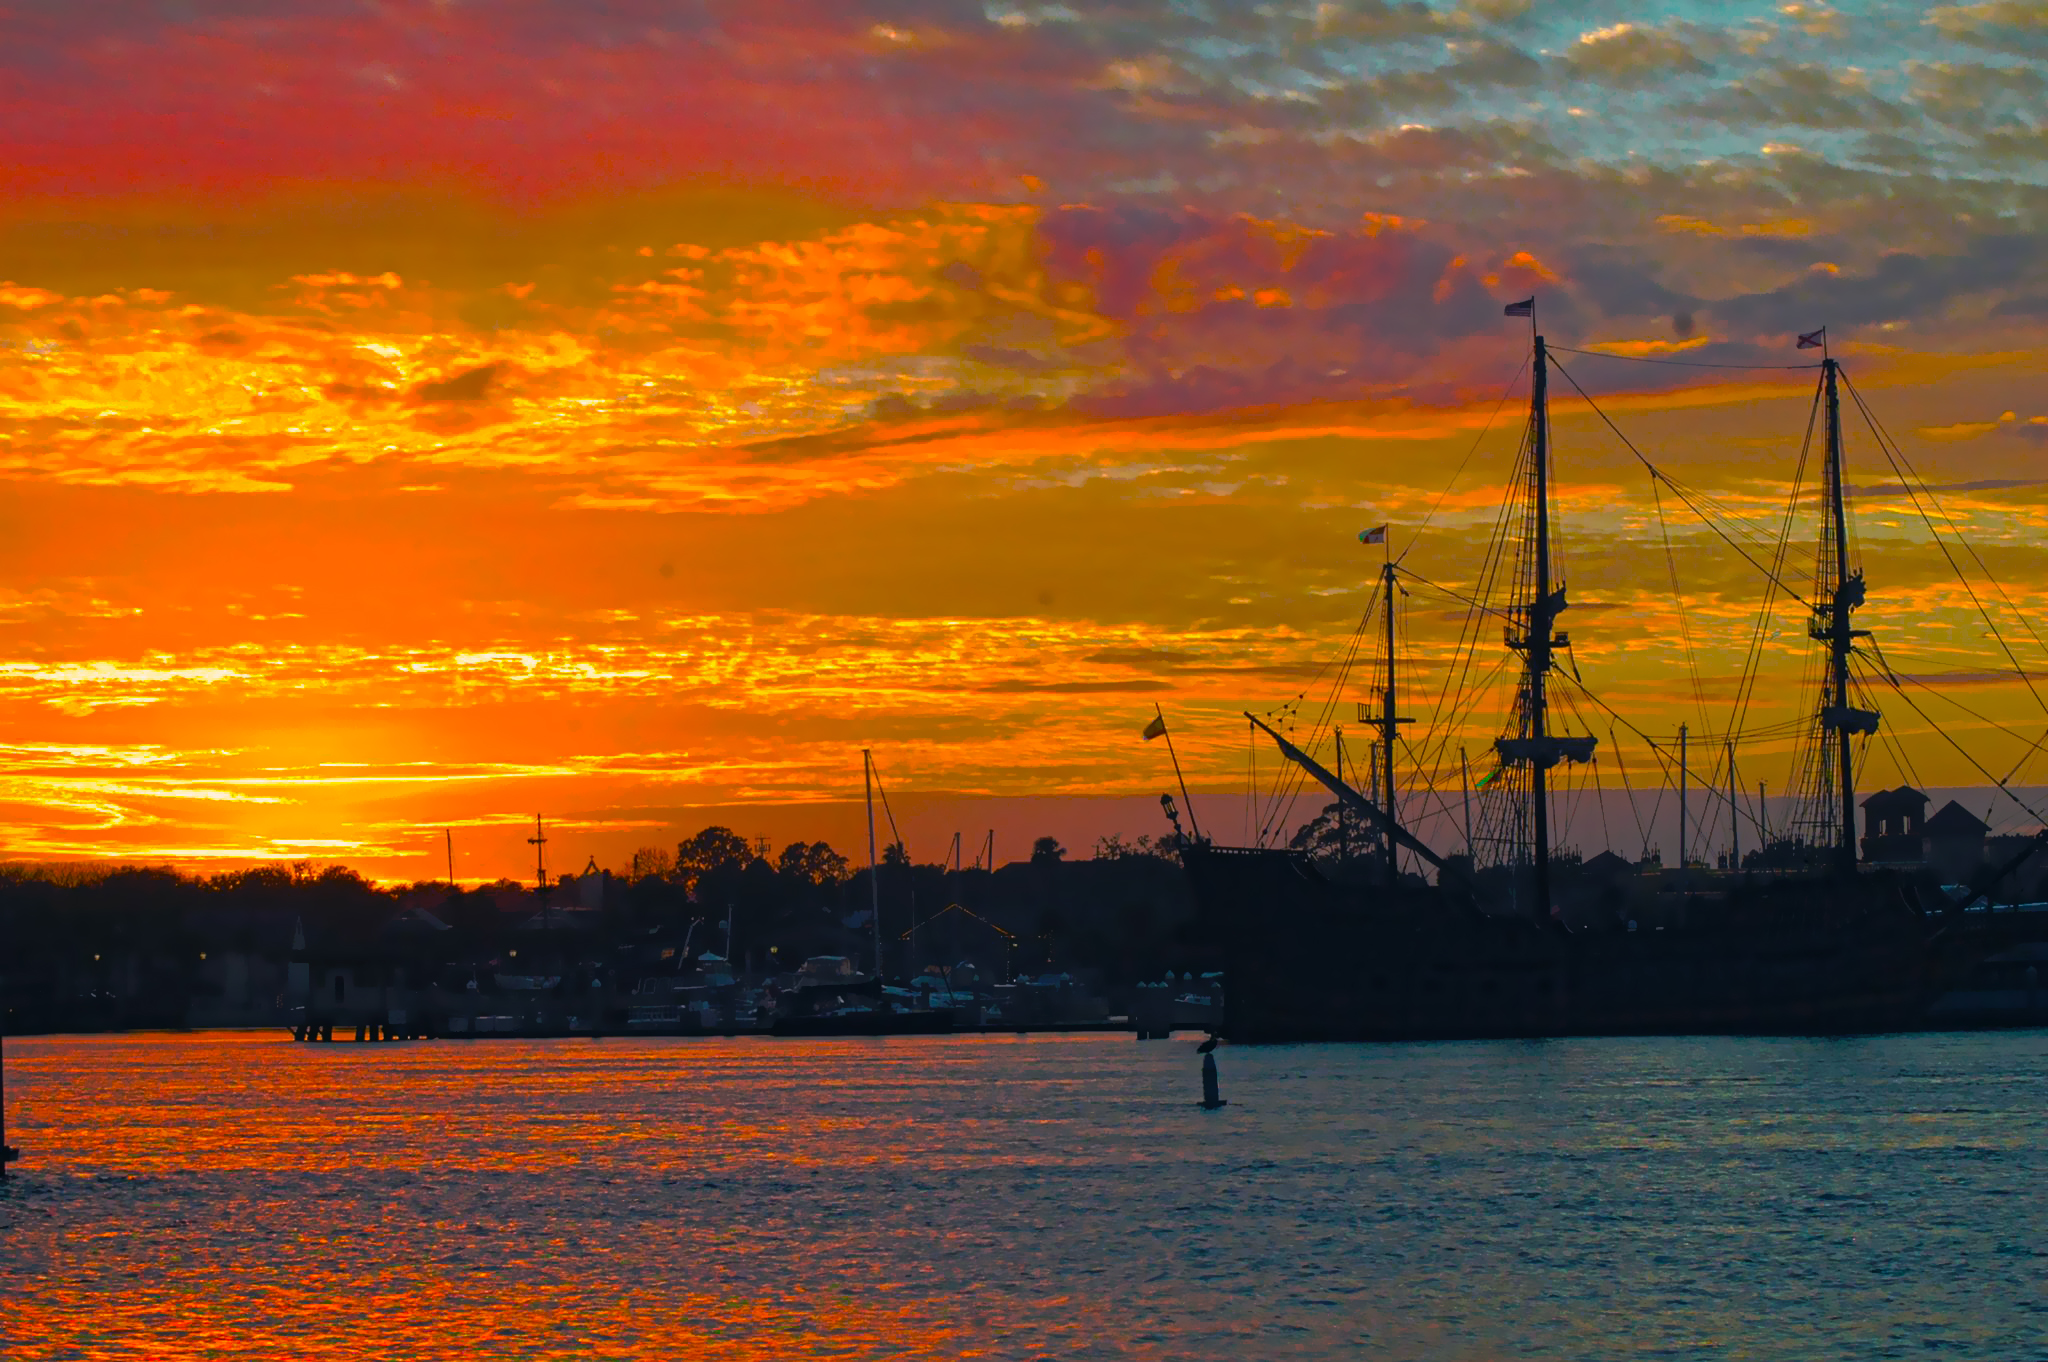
x,y
867,775
1541,617
1839,633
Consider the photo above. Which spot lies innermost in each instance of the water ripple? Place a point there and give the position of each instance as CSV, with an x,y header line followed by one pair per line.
x,y
236,1196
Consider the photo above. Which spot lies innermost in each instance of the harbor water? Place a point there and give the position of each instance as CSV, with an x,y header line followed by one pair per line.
x,y
234,1195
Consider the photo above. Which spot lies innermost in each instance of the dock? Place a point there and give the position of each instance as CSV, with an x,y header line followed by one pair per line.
x,y
516,1028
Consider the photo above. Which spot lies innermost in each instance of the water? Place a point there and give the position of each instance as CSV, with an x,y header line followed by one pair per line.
x,y
238,1196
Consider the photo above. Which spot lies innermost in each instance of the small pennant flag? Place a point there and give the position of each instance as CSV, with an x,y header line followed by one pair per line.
x,y
1813,340
1489,777
1156,729
1376,535
1525,308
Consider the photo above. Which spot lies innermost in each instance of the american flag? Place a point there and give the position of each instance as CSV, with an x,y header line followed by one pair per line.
x,y
1525,308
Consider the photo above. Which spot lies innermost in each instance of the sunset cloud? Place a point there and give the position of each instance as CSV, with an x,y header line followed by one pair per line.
x,y
632,410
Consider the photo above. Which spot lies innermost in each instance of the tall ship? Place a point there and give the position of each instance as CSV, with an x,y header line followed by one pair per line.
x,y
1395,933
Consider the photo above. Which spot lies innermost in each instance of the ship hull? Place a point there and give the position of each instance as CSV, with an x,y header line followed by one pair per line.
x,y
1308,960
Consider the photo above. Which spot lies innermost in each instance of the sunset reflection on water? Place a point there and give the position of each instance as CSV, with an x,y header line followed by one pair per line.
x,y
234,1195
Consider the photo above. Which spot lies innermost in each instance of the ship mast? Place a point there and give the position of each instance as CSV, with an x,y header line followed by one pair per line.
x,y
1535,746
1840,721
1540,618
1390,724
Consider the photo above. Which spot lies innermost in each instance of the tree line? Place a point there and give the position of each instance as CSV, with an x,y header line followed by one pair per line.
x,y
150,935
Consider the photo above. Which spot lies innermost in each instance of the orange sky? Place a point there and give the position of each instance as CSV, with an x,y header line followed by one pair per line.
x,y
416,417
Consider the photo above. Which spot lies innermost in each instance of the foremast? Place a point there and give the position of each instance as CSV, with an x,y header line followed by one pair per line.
x,y
1843,592
1534,746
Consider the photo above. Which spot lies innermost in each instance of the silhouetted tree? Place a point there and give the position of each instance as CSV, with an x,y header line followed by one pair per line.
x,y
650,863
1336,832
812,863
1047,851
1115,848
710,852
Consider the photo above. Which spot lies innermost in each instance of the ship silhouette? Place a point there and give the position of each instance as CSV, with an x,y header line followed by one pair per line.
x,y
1512,937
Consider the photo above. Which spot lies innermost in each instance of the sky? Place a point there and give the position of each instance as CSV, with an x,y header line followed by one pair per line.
x,y
419,416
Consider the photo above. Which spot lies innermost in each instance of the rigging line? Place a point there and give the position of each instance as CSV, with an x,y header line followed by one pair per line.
x,y
1949,738
1465,656
1752,665
1679,489
1430,791
1456,694
1469,699
1788,728
2027,755
1900,763
1885,437
1884,442
1455,595
1335,698
1642,837
1657,805
1676,363
1692,663
1441,497
1284,786
1600,798
1294,784
1343,670
1615,716
1885,661
1460,716
1251,776
894,835
1702,505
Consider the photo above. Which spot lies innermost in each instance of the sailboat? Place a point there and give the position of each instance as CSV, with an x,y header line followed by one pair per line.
x,y
1518,942
873,1014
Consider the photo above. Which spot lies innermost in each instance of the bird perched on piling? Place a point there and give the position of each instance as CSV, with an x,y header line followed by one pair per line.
x,y
1211,1098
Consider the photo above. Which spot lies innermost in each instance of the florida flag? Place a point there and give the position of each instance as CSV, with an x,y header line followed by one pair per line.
x,y
1376,535
1156,729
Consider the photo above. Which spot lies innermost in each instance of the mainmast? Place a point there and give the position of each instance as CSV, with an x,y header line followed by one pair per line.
x,y
1534,746
1390,724
1840,721
1541,617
